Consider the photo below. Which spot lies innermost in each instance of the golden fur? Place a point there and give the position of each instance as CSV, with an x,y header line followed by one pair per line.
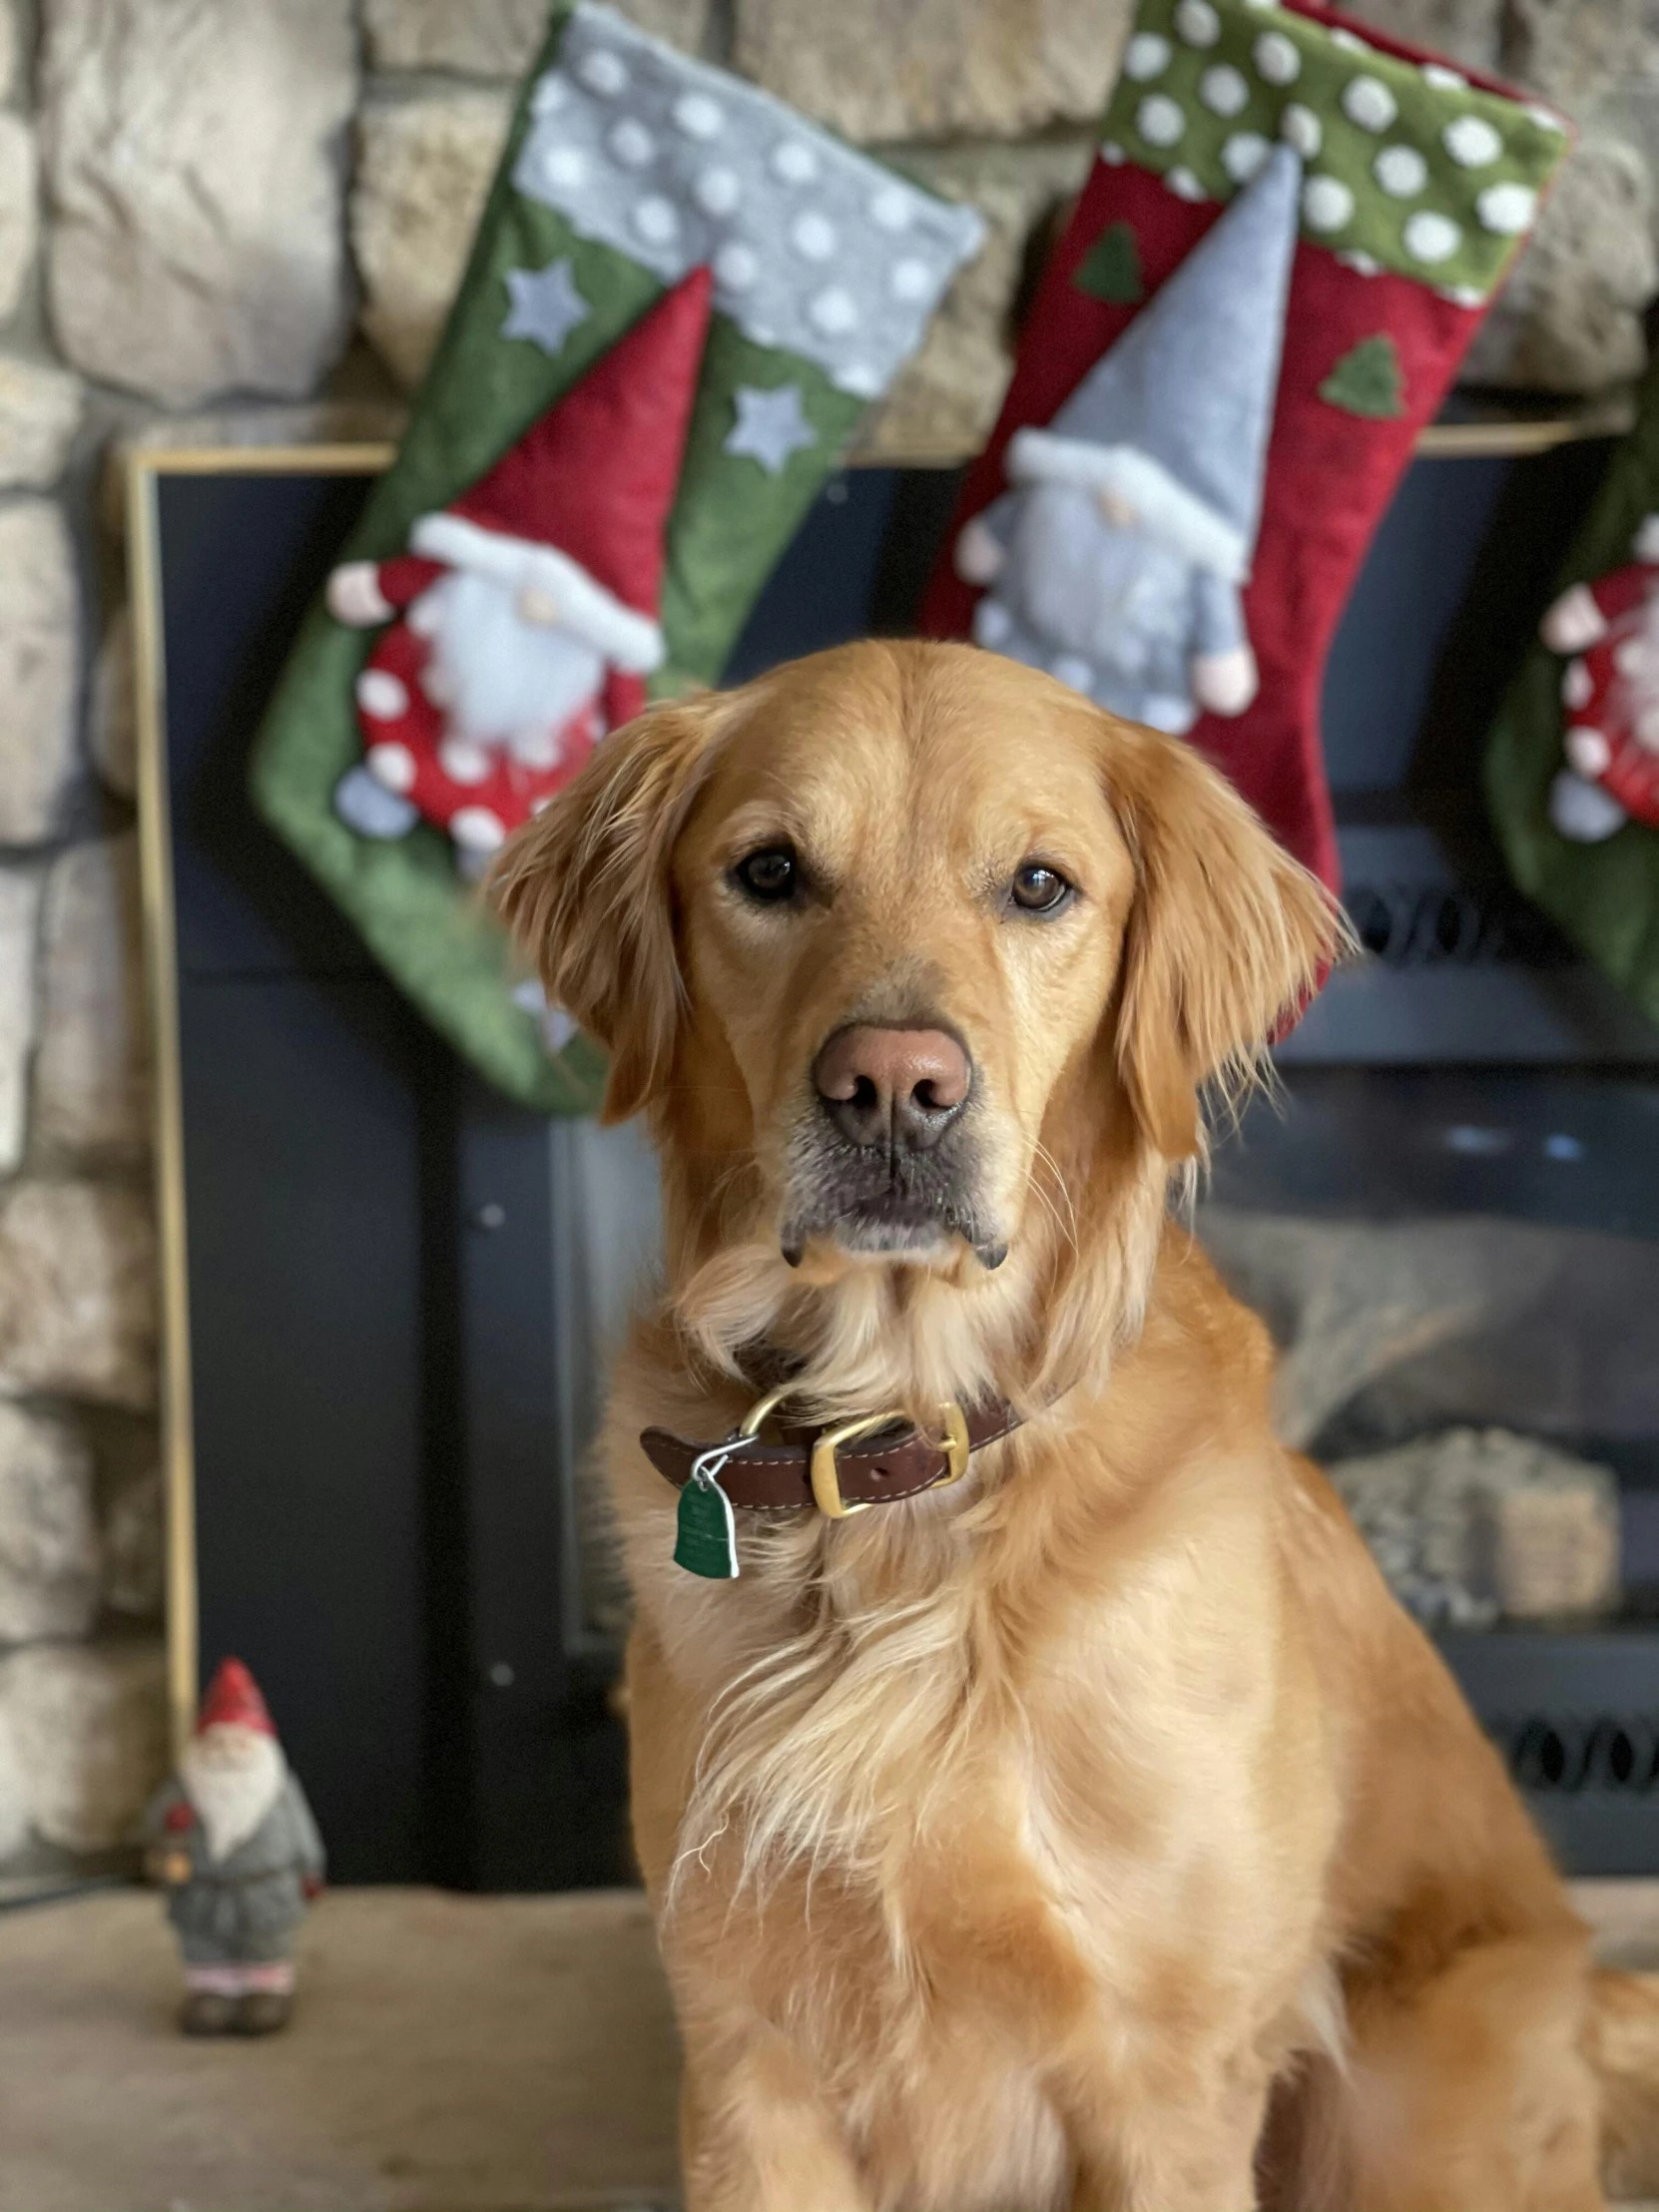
x,y
1097,1833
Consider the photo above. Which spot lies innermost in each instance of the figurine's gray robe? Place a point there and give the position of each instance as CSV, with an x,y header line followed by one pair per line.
x,y
244,1908
1118,614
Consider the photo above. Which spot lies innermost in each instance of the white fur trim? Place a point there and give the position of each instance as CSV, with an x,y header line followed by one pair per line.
x,y
628,640
1039,456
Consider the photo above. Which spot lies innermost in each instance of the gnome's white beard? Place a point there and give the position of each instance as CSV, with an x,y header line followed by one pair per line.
x,y
233,1776
1121,598
1636,663
498,679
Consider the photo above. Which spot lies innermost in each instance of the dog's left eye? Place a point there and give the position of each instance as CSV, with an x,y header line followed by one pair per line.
x,y
1037,889
770,874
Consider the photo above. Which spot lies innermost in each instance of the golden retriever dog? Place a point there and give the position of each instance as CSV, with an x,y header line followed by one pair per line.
x,y
1081,1822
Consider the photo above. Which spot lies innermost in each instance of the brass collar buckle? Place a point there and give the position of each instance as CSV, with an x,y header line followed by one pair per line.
x,y
825,1478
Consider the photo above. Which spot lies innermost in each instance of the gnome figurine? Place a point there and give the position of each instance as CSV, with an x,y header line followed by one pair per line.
x,y
1610,696
233,1841
524,615
1116,559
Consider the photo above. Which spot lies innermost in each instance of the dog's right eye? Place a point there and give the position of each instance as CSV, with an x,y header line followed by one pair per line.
x,y
769,875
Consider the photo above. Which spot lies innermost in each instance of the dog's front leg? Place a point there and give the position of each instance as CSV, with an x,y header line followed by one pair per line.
x,y
1147,2151
755,2137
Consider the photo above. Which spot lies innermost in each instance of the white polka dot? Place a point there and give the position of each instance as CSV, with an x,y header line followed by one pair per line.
x,y
1185,186
1588,750
1111,153
392,766
1368,101
1277,58
1430,236
1244,154
1159,120
1301,129
1442,78
564,166
462,760
630,142
859,378
1350,41
1072,670
426,616
910,281
1197,22
1146,55
656,219
534,749
717,191
1326,203
761,334
1472,140
603,72
476,829
1463,295
813,237
1577,684
550,94
1223,88
833,312
1547,118
697,115
1401,171
737,266
795,162
892,210
381,695
1361,264
1630,659
1506,208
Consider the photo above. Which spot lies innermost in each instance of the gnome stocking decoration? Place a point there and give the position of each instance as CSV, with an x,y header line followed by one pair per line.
x,y
682,301
528,604
1610,696
231,1840
1263,170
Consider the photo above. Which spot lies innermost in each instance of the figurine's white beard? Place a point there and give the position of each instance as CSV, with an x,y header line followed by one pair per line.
x,y
231,1775
496,676
1636,658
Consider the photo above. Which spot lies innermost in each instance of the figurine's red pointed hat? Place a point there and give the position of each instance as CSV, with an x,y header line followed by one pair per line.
x,y
233,1696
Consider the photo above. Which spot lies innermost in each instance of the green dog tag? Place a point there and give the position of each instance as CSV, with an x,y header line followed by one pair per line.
x,y
706,1541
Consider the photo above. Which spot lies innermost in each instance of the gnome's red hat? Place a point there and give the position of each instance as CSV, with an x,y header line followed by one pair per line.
x,y
577,509
233,1696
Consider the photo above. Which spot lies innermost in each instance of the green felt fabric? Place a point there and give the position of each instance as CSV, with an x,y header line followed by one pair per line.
x,y
1606,896
733,520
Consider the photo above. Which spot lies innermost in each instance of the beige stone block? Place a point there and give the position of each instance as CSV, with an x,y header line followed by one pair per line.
x,y
88,1726
499,38
195,160
945,400
1466,31
19,915
1570,317
424,171
78,1293
91,1089
39,645
921,68
19,210
1575,51
111,726
48,1556
40,413
9,43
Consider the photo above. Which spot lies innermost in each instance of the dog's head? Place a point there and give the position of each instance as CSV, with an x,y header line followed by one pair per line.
x,y
918,961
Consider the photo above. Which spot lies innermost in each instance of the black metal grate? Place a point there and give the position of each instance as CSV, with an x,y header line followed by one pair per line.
x,y
1417,925
1559,1754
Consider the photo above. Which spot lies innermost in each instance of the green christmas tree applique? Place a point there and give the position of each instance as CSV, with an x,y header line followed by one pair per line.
x,y
1368,381
1111,268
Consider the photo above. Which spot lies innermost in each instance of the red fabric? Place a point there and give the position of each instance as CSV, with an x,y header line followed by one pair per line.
x,y
234,1697
403,577
1607,707
1329,474
597,474
512,791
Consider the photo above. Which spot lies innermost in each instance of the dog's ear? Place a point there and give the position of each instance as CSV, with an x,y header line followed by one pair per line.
x,y
1227,937
585,889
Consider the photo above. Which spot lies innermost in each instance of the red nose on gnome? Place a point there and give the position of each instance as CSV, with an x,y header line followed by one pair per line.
x,y
524,615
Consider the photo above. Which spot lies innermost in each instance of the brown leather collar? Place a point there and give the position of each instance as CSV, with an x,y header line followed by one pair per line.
x,y
840,1467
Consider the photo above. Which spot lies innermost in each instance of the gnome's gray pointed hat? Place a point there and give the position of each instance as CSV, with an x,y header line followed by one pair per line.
x,y
1176,416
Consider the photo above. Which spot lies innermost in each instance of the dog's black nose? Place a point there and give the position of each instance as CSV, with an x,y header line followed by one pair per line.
x,y
899,1089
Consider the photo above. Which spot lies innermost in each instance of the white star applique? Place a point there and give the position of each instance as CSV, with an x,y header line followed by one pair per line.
x,y
771,425
546,305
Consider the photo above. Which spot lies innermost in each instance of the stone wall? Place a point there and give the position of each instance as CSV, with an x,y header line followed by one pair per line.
x,y
235,203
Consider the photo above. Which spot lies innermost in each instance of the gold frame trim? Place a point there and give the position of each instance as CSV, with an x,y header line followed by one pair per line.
x,y
143,466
